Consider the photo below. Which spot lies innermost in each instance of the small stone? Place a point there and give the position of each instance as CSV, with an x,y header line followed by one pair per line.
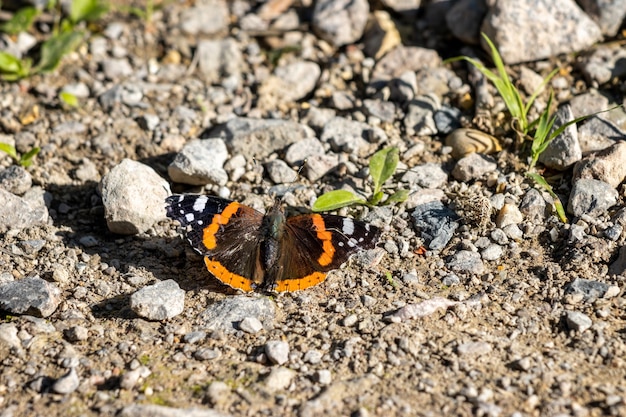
x,y
492,252
15,179
350,320
130,378
340,22
279,172
428,175
133,195
450,280
209,17
160,301
577,321
8,336
76,333
513,232
522,364
419,119
323,376
499,237
32,296
345,135
218,393
148,122
200,162
251,325
277,351
194,337
473,349
116,68
289,83
143,410
591,197
447,119
302,150
606,165
67,384
206,354
383,110
279,379
22,212
591,290
435,223
509,214
410,278
467,262
473,166
319,165
219,60
564,150
225,314
313,357
533,205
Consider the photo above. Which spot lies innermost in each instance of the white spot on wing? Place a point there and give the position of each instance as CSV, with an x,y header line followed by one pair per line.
x,y
348,226
200,203
352,242
189,217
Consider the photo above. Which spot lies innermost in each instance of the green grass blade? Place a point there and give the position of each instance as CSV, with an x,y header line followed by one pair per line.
x,y
558,206
399,196
9,150
335,199
27,159
55,48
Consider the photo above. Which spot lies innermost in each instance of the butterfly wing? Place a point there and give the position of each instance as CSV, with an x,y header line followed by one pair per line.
x,y
225,232
315,244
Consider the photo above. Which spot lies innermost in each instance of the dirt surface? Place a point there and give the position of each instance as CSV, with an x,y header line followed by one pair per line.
x,y
504,344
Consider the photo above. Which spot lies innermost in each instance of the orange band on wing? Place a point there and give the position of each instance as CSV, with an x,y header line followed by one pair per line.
x,y
227,277
300,283
208,237
326,237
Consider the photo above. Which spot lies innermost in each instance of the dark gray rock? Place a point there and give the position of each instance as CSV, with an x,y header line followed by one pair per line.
x,y
435,223
466,261
590,290
591,197
564,150
577,321
33,296
15,179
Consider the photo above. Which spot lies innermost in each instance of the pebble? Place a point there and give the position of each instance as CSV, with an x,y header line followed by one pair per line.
x,y
340,22
401,60
591,290
463,20
8,336
130,378
410,278
117,68
345,135
280,172
564,150
66,384
258,138
76,333
450,280
22,212
277,351
279,379
289,83
492,252
597,134
577,321
209,17
510,22
423,309
219,59
466,141
206,354
435,223
430,175
313,357
194,337
152,410
467,262
350,320
300,151
319,165
473,166
251,325
604,63
160,301
323,376
509,214
420,115
533,206
591,197
606,165
383,110
15,179
200,162
447,119
133,195
31,295
224,314
473,349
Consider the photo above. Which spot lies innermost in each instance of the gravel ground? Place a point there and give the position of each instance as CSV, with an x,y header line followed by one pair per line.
x,y
477,299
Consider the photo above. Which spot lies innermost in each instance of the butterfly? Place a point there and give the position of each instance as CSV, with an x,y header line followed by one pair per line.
x,y
252,251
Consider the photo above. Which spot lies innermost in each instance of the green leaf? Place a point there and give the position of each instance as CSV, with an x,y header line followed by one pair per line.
x,y
375,199
558,206
88,10
69,99
539,89
27,159
335,199
20,22
55,48
8,149
399,196
382,166
10,64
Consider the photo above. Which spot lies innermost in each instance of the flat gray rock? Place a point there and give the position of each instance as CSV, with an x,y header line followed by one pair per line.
x,y
33,296
133,196
590,290
466,261
200,162
564,150
340,22
607,165
21,212
520,36
429,175
209,17
347,135
160,301
473,167
435,223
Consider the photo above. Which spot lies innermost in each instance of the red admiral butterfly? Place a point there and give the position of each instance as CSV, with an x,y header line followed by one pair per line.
x,y
248,250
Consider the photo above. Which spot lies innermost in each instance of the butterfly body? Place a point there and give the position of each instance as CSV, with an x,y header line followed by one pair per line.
x,y
249,250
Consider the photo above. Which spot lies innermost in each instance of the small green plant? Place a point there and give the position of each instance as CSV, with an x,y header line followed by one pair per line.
x,y
68,99
64,40
510,94
382,166
25,160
